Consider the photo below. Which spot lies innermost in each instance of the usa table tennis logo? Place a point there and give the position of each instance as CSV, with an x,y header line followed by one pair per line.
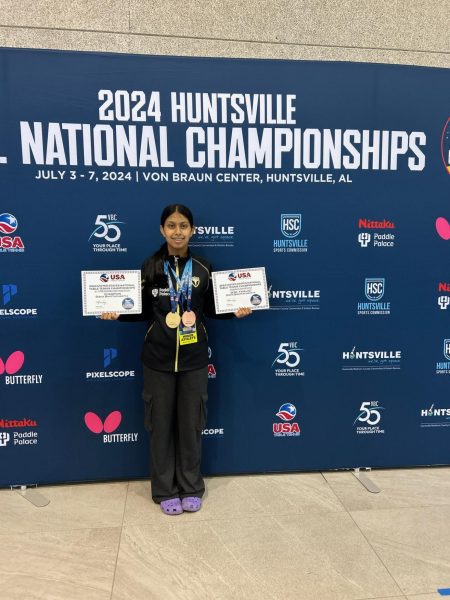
x,y
232,277
287,428
104,278
8,242
111,423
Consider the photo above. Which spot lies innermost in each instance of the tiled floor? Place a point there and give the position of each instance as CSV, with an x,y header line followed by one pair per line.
x,y
306,536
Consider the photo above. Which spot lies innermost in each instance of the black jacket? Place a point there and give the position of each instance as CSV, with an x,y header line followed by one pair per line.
x,y
162,350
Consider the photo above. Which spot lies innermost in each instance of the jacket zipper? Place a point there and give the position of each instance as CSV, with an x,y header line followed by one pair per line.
x,y
178,311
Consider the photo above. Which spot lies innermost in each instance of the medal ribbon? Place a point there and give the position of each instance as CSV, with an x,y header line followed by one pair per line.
x,y
184,286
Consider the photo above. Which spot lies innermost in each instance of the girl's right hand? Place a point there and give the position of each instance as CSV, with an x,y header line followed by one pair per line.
x,y
109,316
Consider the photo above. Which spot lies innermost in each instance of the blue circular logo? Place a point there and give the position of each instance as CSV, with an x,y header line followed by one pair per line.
x,y
128,303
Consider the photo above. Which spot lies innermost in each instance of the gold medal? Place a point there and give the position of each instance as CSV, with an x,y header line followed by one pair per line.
x,y
173,320
188,318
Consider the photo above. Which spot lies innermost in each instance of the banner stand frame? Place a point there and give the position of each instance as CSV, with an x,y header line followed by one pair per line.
x,y
31,494
364,480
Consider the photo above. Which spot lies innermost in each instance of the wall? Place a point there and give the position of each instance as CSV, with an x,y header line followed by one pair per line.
x,y
386,31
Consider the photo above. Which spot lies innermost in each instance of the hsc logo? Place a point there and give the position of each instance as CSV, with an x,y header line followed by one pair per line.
x,y
291,225
286,413
374,288
8,225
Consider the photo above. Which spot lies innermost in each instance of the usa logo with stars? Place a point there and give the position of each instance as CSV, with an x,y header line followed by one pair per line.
x,y
288,427
8,242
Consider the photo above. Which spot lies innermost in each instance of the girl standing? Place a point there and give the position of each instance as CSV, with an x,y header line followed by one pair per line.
x,y
176,296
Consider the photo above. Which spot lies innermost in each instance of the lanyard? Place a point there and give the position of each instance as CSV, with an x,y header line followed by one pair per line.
x,y
184,286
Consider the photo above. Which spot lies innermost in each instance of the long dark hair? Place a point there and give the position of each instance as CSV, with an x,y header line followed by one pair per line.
x,y
154,271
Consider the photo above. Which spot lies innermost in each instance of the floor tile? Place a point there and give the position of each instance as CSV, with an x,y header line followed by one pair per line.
x,y
289,557
71,507
413,543
435,596
67,565
229,497
399,487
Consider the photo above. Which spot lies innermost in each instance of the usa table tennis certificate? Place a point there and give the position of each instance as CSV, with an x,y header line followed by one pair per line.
x,y
111,291
240,288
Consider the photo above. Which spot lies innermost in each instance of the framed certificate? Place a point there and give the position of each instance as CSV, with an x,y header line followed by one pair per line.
x,y
111,291
240,288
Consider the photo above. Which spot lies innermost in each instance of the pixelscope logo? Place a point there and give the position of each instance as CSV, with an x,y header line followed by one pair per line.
x,y
110,355
111,423
371,360
374,288
294,299
370,415
287,360
291,226
107,229
213,236
372,238
288,428
8,292
445,146
13,365
8,226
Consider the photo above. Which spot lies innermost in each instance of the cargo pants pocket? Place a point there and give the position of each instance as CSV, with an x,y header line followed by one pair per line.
x,y
148,406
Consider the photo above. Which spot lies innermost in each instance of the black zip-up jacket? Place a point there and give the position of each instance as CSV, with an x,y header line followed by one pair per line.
x,y
162,350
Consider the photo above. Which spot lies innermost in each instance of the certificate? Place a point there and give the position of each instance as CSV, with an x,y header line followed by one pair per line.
x,y
240,288
111,291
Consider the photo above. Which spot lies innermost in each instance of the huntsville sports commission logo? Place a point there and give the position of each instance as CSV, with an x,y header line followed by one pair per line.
x,y
435,417
8,291
110,355
287,427
288,360
374,288
443,367
370,236
12,365
294,299
368,420
371,360
108,427
8,241
18,432
107,233
443,300
291,226
213,236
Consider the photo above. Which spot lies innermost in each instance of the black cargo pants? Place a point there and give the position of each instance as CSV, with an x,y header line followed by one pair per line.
x,y
175,414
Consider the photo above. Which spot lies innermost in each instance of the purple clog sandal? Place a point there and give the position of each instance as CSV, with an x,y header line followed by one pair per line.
x,y
191,504
171,507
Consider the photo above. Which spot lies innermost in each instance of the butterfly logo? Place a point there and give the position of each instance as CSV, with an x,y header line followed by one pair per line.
x,y
13,363
96,425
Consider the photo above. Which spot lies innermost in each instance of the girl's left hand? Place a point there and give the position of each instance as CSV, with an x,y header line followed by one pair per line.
x,y
243,312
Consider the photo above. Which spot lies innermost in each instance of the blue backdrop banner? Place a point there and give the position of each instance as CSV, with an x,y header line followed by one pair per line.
x,y
334,176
